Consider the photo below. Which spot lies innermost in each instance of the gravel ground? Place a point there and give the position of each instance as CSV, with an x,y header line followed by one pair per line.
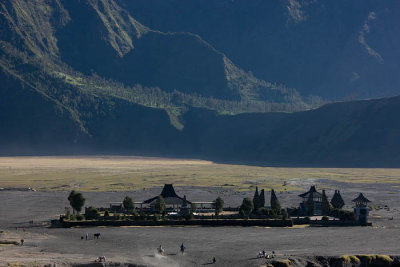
x,y
232,246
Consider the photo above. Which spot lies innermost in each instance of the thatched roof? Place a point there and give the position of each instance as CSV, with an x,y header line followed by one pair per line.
x,y
169,195
361,199
313,192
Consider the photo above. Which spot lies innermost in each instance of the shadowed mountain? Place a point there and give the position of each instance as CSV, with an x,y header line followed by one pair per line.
x,y
363,133
332,49
81,77
98,36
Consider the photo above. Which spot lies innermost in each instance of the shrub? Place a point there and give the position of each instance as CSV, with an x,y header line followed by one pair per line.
x,y
268,212
91,213
106,214
79,217
160,205
128,204
284,214
343,214
189,217
281,263
218,205
246,208
353,260
376,260
325,218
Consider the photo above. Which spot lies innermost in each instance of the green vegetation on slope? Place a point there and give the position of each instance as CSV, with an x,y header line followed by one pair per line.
x,y
99,37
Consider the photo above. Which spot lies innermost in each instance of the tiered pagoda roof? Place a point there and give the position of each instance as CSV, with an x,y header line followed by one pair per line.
x,y
361,199
313,192
170,197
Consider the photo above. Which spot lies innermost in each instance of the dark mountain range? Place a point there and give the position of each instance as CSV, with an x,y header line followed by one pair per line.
x,y
334,49
97,36
363,133
83,77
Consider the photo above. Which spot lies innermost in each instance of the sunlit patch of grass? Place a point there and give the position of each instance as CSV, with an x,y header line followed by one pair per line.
x,y
132,173
16,264
350,259
76,81
376,260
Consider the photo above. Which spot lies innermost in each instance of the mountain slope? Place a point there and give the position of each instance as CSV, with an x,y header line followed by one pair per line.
x,y
98,36
65,120
364,133
86,77
333,49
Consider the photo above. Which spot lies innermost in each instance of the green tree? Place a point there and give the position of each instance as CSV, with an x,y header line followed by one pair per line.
x,y
247,207
76,200
91,213
193,207
275,205
256,199
284,214
261,199
218,205
128,204
160,205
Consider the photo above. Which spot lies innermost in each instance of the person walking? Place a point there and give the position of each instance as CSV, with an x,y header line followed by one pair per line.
x,y
182,248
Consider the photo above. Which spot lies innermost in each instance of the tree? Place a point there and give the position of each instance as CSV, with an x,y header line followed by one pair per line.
x,y
128,204
284,214
91,213
275,205
261,199
76,200
218,205
326,207
256,200
193,207
247,207
160,205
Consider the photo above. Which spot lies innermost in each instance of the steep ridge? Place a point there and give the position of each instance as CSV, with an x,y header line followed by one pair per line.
x,y
47,121
335,49
98,36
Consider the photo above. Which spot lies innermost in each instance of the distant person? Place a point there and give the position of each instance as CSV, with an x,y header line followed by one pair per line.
x,y
87,236
214,260
160,250
182,248
22,242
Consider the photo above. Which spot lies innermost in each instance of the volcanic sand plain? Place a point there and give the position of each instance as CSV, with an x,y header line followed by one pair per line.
x,y
53,177
113,173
